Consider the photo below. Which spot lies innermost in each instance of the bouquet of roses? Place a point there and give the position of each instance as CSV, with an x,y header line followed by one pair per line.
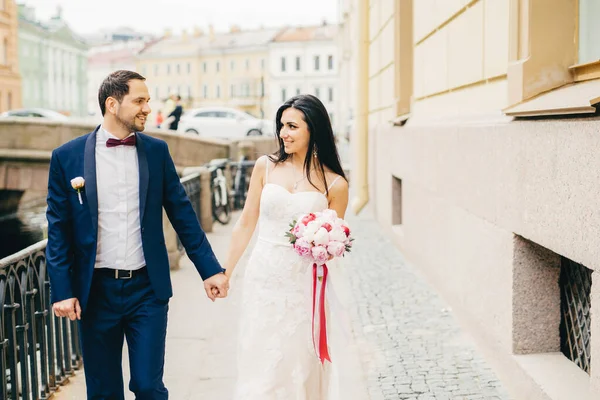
x,y
320,236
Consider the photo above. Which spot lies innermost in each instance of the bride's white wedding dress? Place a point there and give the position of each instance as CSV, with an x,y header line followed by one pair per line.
x,y
276,357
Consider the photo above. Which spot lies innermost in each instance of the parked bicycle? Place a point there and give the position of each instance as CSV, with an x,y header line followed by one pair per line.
x,y
219,192
241,181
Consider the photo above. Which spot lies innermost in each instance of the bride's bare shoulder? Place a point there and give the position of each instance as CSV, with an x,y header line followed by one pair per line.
x,y
260,165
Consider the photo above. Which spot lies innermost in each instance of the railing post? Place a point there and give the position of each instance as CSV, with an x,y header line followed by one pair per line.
x,y
41,316
28,293
206,217
52,370
10,325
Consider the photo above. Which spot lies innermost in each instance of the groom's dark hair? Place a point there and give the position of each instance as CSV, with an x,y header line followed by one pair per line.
x,y
116,85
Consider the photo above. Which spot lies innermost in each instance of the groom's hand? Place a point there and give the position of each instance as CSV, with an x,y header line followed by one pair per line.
x,y
216,286
69,308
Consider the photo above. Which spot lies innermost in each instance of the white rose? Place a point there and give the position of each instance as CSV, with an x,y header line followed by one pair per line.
x,y
77,183
308,236
321,237
312,228
337,235
329,214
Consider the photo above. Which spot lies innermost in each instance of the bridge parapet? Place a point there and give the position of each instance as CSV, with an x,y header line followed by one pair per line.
x,y
26,145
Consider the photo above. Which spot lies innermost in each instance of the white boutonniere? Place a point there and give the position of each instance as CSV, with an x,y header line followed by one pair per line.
x,y
78,183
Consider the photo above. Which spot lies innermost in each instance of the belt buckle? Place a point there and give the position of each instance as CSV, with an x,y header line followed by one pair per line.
x,y
123,277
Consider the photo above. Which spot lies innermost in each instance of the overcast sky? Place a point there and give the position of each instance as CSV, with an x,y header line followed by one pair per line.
x,y
153,16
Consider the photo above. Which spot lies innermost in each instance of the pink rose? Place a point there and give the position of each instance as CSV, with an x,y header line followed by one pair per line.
x,y
302,247
346,230
308,217
336,249
319,254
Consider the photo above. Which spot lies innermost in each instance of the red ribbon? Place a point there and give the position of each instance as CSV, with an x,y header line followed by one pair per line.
x,y
322,350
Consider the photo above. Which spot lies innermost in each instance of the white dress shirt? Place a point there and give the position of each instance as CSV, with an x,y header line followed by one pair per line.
x,y
119,230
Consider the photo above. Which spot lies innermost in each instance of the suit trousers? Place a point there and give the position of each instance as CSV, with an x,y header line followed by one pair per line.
x,y
124,309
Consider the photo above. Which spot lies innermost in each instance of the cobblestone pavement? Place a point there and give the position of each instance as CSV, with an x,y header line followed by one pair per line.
x,y
415,347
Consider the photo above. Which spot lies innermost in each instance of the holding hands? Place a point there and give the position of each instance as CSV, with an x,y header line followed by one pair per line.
x,y
217,286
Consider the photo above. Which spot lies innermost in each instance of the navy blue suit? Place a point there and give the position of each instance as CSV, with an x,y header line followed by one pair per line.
x,y
113,309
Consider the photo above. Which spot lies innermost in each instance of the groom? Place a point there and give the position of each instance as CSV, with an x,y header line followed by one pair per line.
x,y
106,251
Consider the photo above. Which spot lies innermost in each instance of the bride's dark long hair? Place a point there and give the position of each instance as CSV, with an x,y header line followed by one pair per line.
x,y
321,142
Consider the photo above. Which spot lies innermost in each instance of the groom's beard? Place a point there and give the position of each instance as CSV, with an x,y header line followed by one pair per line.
x,y
130,125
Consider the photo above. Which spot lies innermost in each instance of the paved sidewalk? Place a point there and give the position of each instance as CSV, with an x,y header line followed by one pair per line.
x,y
417,350
411,346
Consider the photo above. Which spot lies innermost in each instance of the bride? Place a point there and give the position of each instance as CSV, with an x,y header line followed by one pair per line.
x,y
276,357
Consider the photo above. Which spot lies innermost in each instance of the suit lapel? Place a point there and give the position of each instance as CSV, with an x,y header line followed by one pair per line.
x,y
143,173
89,174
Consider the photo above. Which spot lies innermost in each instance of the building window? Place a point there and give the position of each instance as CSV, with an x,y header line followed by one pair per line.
x,y
218,92
262,64
317,92
316,63
282,64
331,120
205,91
297,91
155,69
218,66
232,65
232,91
297,63
144,70
589,31
189,91
5,52
396,201
204,66
247,64
189,68
330,95
330,62
168,69
283,95
157,92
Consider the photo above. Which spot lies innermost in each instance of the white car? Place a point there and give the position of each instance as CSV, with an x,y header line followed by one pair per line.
x,y
223,122
35,113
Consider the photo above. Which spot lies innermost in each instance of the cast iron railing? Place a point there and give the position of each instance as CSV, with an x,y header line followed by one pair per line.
x,y
575,288
38,351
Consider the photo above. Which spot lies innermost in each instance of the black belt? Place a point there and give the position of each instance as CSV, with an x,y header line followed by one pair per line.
x,y
120,273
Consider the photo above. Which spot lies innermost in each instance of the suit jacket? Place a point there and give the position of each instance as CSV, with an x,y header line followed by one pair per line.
x,y
73,227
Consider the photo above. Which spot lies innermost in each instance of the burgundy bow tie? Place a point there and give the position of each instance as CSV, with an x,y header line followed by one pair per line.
x,y
128,141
